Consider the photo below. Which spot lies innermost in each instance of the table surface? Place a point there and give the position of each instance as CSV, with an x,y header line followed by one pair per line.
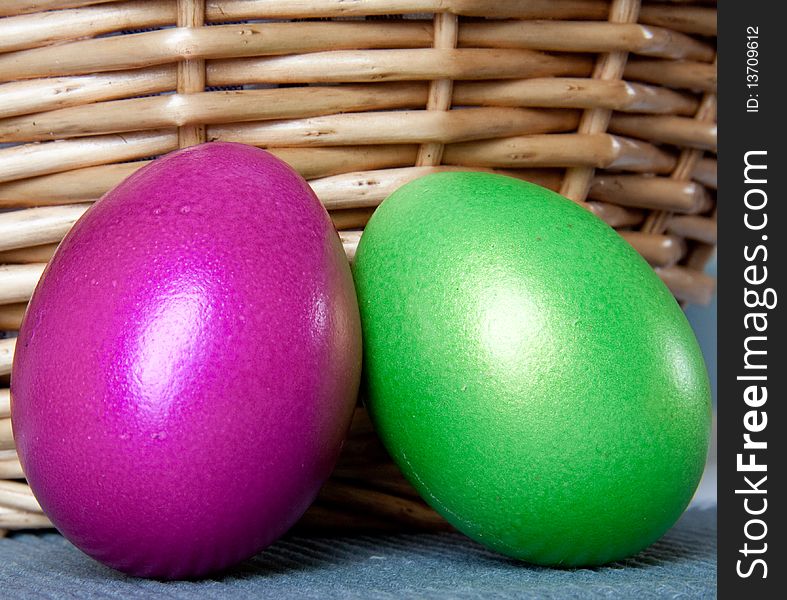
x,y
680,565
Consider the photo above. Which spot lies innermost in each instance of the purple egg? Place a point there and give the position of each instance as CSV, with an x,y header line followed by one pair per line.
x,y
188,366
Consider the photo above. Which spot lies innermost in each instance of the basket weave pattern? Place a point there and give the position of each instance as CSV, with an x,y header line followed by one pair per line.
x,y
610,103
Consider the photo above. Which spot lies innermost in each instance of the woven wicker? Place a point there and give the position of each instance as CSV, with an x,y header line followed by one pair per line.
x,y
611,103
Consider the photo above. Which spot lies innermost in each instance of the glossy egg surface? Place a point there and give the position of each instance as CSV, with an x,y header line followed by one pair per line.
x,y
527,369
188,365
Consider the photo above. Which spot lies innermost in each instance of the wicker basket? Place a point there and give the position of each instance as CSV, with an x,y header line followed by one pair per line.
x,y
611,103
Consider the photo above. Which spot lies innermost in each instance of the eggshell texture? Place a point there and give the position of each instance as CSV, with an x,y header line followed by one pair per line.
x,y
188,366
528,371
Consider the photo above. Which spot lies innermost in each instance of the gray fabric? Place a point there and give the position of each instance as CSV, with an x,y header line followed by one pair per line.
x,y
681,565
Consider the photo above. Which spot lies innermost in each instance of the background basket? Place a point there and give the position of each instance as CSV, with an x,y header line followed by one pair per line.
x,y
610,103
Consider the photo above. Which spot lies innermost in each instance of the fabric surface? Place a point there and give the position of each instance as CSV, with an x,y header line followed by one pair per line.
x,y
680,565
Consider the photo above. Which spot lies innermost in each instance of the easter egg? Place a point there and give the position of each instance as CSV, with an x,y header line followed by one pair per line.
x,y
188,365
527,370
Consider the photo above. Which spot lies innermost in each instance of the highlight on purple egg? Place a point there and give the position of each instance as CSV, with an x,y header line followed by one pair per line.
x,y
189,364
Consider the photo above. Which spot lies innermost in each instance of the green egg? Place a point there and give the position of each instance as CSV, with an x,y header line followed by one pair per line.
x,y
528,371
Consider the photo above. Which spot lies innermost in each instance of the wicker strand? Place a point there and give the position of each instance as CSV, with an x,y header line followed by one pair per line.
x,y
531,9
270,39
685,282
705,172
11,315
241,10
687,162
658,250
191,73
534,150
6,346
31,31
29,254
701,229
243,105
446,32
80,185
688,75
678,131
17,495
23,7
5,403
698,258
23,228
609,67
657,193
6,435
